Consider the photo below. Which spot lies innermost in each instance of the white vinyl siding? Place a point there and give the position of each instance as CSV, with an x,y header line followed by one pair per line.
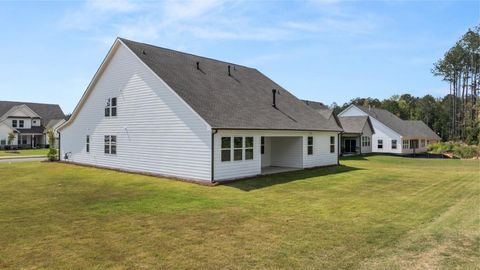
x,y
282,148
156,131
366,145
382,132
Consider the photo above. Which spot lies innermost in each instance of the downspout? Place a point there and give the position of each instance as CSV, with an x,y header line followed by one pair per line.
x,y
338,148
213,156
59,145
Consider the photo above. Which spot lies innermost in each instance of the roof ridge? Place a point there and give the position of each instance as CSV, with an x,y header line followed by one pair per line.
x,y
185,53
28,102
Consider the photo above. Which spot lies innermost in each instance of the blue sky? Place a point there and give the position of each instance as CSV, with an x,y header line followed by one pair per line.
x,y
329,51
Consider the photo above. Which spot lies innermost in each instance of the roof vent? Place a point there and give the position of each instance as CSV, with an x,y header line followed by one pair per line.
x,y
198,65
229,74
143,52
274,102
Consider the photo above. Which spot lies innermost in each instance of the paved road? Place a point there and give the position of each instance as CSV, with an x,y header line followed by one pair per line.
x,y
8,160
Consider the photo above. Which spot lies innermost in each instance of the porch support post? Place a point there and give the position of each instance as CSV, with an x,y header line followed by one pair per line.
x,y
360,144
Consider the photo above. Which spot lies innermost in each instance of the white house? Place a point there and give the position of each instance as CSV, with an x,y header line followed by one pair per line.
x,y
357,135
357,130
164,112
28,122
392,134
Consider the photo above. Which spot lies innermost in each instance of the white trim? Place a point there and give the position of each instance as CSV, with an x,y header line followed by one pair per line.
x,y
92,83
100,71
380,122
348,108
19,107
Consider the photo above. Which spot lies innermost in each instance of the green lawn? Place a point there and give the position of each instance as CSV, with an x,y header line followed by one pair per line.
x,y
371,213
25,152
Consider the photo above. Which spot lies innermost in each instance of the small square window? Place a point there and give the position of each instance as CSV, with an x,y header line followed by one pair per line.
x,y
332,144
310,145
226,155
226,145
248,153
248,148
238,142
237,154
248,142
226,142
394,144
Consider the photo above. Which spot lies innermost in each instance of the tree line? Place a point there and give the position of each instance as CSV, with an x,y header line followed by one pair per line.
x,y
454,116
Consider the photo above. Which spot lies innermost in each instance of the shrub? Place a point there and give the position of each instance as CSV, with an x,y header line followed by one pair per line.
x,y
52,154
458,149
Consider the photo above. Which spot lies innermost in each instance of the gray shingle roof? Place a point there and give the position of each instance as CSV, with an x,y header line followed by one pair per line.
x,y
37,130
52,123
46,111
353,124
406,128
240,101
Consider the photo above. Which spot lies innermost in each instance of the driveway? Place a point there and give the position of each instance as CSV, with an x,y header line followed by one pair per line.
x,y
22,159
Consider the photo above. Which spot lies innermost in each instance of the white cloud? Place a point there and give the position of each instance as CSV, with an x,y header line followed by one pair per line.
x,y
212,20
111,5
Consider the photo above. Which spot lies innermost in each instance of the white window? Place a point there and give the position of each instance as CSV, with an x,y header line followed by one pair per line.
x,y
14,123
111,107
237,148
380,144
110,144
405,144
21,123
262,146
365,141
394,144
248,148
422,143
87,143
310,145
332,144
226,148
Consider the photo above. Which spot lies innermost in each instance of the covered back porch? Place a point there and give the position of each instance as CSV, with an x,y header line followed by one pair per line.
x,y
350,144
281,154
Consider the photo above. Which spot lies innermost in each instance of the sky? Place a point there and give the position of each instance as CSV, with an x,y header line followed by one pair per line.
x,y
328,51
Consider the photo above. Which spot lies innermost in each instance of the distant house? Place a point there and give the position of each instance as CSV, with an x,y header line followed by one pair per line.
x,y
357,135
390,134
357,130
164,112
28,122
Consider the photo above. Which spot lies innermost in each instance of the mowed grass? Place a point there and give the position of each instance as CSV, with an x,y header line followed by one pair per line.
x,y
24,152
376,212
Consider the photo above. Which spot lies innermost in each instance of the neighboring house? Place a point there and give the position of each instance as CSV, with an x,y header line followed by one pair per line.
x,y
391,134
357,135
357,130
28,122
163,112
